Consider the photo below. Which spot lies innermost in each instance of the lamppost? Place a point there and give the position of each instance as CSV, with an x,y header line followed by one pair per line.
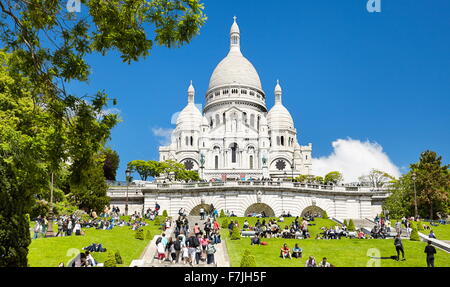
x,y
127,174
414,177
50,232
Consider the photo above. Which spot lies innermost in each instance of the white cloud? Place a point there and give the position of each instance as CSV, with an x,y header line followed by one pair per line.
x,y
354,158
164,134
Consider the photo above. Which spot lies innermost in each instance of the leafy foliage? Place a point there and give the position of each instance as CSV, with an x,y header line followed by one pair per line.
x,y
414,233
325,215
225,223
118,257
351,225
333,177
248,259
377,178
139,234
432,186
110,164
110,259
164,214
222,213
235,234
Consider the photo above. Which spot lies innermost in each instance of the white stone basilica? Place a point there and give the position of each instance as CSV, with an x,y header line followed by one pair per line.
x,y
235,136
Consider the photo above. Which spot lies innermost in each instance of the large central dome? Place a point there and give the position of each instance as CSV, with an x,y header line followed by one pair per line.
x,y
235,69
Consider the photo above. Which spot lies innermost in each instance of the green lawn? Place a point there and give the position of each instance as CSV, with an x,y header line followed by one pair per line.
x,y
340,253
442,232
49,252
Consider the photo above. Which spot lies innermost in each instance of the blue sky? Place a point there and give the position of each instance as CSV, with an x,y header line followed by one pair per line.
x,y
345,73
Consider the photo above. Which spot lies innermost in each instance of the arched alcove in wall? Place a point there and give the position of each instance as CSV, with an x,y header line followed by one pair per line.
x,y
313,210
196,210
260,208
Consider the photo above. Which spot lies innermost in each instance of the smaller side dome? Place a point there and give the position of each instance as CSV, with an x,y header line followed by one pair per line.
x,y
190,118
278,116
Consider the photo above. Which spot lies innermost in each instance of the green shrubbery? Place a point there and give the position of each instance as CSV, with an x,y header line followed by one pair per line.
x,y
110,260
414,233
345,222
248,260
225,223
139,234
222,213
351,225
118,257
235,234
164,214
325,215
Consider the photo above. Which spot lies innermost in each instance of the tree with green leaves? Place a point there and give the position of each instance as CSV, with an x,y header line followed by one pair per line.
x,y
377,178
248,259
432,187
43,125
111,163
333,177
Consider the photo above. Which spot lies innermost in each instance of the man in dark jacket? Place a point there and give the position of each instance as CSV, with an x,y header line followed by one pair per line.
x,y
430,251
399,247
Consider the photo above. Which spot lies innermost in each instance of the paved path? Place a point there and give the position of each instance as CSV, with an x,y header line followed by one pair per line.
x,y
148,257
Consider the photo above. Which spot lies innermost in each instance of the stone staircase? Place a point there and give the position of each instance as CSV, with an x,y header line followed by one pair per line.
x,y
149,256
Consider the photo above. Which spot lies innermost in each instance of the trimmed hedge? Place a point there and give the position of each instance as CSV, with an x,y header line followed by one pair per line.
x,y
351,225
118,257
414,233
235,234
248,260
225,223
110,260
139,234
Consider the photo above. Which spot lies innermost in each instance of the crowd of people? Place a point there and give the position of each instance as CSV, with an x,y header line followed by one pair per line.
x,y
190,245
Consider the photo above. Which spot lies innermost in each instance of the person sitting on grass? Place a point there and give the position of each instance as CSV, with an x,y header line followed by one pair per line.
x,y
361,235
311,262
255,240
324,263
246,225
285,252
296,251
431,235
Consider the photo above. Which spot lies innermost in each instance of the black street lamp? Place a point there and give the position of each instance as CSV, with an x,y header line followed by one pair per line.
x,y
127,174
414,177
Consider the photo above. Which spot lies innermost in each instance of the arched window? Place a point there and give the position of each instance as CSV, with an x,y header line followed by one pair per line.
x,y
306,157
187,141
192,141
216,162
233,153
251,162
278,141
282,140
223,119
245,118
210,122
257,125
252,120
217,120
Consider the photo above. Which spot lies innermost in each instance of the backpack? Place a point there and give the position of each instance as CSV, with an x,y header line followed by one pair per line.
x,y
177,245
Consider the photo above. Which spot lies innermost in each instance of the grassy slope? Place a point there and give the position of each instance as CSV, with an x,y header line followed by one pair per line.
x,y
50,252
442,232
341,253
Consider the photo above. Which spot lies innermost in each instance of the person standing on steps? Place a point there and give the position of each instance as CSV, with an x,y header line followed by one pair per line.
x,y
430,251
399,247
210,250
202,213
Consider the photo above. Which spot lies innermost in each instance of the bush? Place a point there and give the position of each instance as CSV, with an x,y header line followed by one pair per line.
x,y
235,234
164,214
225,223
420,226
345,222
110,260
148,235
248,260
118,257
222,213
139,234
325,215
351,225
414,234
157,220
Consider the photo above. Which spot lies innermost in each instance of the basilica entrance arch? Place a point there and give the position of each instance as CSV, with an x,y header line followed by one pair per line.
x,y
196,210
260,208
312,211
